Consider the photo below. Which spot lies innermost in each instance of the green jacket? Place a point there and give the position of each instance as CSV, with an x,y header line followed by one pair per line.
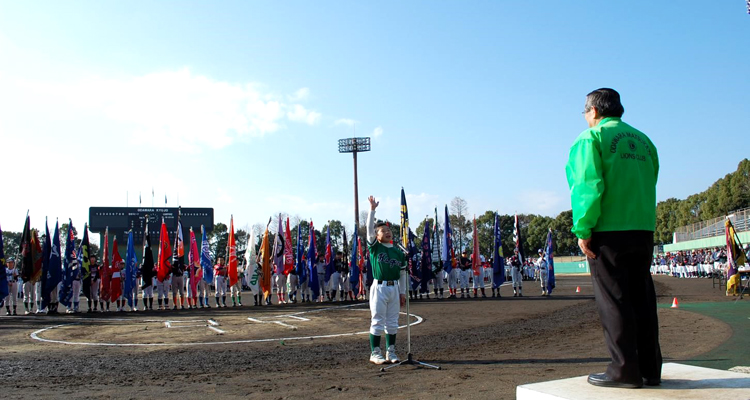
x,y
612,171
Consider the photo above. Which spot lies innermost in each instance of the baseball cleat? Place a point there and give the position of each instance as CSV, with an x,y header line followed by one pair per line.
x,y
376,357
390,355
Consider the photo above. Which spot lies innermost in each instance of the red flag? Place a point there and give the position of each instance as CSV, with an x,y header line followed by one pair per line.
x,y
36,256
115,281
476,263
104,284
164,265
232,270
194,269
288,255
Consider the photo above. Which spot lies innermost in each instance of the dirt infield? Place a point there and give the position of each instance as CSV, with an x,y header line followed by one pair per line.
x,y
486,347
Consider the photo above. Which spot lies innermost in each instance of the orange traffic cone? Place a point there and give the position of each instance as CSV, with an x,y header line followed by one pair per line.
x,y
675,304
578,289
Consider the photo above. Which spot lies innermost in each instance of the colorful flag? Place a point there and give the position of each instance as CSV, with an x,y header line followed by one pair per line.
x,y
264,257
147,263
233,263
278,249
330,259
194,258
131,270
404,221
449,255
288,253
476,261
4,290
115,279
735,255
106,271
24,250
178,253
436,248
70,267
206,263
164,266
426,261
549,252
518,240
498,261
312,258
414,258
36,256
55,274
361,266
300,266
251,265
84,254
46,260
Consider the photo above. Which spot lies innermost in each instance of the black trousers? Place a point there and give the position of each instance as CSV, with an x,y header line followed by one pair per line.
x,y
626,301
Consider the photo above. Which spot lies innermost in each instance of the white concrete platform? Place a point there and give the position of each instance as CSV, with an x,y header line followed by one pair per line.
x,y
679,381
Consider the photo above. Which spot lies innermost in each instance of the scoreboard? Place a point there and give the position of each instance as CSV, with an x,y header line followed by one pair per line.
x,y
120,220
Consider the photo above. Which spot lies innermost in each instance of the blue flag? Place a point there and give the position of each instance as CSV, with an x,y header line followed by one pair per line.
x,y
498,261
4,289
46,254
70,266
206,265
354,266
550,250
312,258
426,261
414,261
448,256
131,269
300,267
55,262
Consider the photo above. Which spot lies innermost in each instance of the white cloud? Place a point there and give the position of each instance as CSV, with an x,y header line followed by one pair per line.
x,y
377,132
300,95
178,110
345,121
301,114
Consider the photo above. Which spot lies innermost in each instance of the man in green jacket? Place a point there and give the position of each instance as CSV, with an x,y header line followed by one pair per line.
x,y
612,171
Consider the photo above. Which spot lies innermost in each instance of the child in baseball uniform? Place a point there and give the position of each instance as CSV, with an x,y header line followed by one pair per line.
x,y
388,290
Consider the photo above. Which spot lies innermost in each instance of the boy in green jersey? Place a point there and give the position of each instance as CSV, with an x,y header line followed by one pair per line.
x,y
388,291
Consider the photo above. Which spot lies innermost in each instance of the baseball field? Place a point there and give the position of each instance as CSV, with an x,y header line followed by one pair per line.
x,y
485,347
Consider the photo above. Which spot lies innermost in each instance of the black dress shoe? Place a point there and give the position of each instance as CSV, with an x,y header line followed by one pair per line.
x,y
652,381
605,381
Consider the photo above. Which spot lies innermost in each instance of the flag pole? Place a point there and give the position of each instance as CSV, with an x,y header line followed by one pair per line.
x,y
402,246
739,244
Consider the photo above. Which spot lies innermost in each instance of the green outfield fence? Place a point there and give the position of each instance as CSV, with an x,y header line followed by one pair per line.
x,y
571,267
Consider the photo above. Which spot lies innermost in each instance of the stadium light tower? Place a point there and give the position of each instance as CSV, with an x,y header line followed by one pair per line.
x,y
355,145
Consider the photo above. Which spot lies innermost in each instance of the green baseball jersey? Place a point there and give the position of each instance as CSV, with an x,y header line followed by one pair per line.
x,y
386,262
612,171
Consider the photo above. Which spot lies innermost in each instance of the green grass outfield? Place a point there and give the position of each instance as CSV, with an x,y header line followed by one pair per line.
x,y
735,351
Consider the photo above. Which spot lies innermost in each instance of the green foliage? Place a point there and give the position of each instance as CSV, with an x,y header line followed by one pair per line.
x,y
727,194
11,244
217,240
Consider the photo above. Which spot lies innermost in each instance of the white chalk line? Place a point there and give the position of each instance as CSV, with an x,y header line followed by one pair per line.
x,y
219,331
35,335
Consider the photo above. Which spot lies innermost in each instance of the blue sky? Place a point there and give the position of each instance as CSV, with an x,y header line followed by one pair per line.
x,y
239,105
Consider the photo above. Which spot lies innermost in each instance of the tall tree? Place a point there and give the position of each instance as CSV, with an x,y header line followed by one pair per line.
x,y
460,222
